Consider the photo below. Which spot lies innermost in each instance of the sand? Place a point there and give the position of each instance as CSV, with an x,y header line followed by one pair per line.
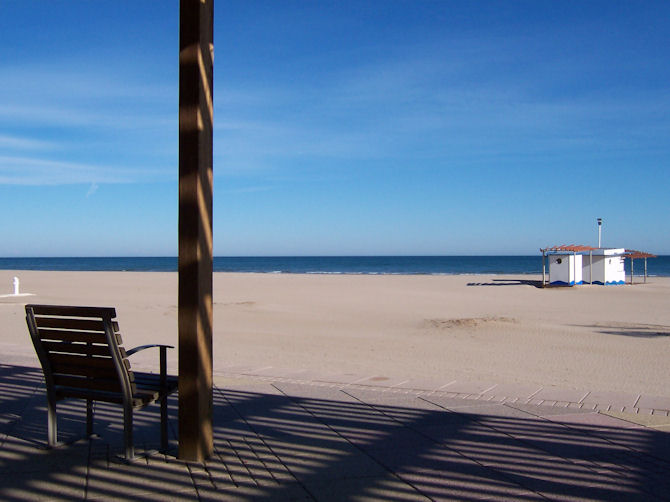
x,y
418,328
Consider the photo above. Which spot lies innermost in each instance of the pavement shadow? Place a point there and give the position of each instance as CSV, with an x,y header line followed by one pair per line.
x,y
301,442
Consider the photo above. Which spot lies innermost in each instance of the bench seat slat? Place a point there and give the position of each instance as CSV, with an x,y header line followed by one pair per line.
x,y
141,397
80,348
96,395
88,372
153,380
70,323
85,361
65,369
75,336
81,382
67,310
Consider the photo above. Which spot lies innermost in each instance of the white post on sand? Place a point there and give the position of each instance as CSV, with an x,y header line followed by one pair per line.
x,y
16,286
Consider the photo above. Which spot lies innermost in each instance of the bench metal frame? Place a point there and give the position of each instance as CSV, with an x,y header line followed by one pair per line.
x,y
82,357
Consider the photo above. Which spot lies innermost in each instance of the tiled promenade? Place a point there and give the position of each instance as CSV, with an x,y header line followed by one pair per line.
x,y
294,436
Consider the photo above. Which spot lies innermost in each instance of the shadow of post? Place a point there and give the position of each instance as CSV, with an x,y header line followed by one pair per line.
x,y
302,442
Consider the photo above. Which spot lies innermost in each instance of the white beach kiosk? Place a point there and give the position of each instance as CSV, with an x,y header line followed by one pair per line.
x,y
608,266
574,264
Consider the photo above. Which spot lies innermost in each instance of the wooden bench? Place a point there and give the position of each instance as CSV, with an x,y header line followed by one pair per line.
x,y
82,357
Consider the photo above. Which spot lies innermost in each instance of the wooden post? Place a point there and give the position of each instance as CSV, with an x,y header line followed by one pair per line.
x,y
195,229
543,268
645,270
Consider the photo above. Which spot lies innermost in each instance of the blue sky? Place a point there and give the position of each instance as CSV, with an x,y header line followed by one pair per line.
x,y
392,127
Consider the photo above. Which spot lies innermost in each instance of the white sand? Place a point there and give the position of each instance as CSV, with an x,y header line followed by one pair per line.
x,y
614,338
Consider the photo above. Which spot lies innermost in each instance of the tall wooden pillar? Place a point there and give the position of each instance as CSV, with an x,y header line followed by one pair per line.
x,y
195,228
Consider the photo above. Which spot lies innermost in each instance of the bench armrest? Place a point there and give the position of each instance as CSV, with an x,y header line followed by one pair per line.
x,y
142,347
163,360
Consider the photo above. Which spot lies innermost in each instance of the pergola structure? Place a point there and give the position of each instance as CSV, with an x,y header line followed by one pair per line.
x,y
196,52
568,248
634,255
579,248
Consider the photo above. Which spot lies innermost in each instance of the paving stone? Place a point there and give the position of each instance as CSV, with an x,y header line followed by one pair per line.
x,y
456,404
281,438
593,420
381,383
239,382
552,394
613,399
365,488
31,473
546,411
510,391
425,385
304,376
113,478
460,484
231,369
342,378
646,401
299,391
466,387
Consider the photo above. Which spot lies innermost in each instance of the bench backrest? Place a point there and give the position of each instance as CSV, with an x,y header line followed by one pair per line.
x,y
80,349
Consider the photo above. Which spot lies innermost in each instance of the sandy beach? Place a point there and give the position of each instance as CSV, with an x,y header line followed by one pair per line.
x,y
403,328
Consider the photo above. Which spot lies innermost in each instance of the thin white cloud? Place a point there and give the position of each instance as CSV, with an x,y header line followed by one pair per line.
x,y
23,143
101,125
436,105
100,98
35,171
66,81
249,189
92,189
123,118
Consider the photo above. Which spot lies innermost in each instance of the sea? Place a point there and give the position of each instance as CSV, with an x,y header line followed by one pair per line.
x,y
364,265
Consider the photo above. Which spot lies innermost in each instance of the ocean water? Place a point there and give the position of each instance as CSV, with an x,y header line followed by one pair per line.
x,y
425,265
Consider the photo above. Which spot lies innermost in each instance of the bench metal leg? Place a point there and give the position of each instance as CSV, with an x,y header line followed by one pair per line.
x,y
52,423
89,417
164,425
128,432
163,400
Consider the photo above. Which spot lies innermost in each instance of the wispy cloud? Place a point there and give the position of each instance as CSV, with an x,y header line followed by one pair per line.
x,y
92,189
248,189
64,80
471,99
93,123
474,100
23,143
101,98
122,118
36,171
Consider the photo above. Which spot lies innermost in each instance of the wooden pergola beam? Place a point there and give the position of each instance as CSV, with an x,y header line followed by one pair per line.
x,y
195,228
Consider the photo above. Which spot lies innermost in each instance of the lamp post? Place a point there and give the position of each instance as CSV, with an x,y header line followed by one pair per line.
x,y
600,224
